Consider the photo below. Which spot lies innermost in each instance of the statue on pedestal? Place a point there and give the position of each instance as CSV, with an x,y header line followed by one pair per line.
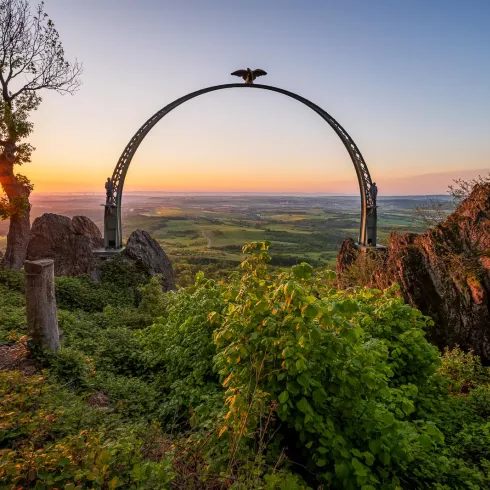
x,y
374,193
109,189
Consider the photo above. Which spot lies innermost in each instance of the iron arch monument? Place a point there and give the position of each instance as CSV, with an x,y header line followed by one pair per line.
x,y
114,186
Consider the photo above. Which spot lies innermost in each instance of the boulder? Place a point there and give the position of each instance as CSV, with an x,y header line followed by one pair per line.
x,y
445,273
147,253
69,242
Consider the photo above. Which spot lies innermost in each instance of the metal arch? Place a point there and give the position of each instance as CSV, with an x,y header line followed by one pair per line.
x,y
112,218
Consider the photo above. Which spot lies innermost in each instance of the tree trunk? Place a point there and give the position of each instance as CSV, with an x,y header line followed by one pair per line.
x,y
20,222
17,241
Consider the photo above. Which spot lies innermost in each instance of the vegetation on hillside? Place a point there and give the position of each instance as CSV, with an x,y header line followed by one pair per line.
x,y
276,381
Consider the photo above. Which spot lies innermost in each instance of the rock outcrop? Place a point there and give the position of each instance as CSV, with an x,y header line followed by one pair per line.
x,y
347,255
444,272
69,242
146,252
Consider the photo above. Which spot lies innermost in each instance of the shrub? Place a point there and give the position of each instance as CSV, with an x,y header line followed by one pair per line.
x,y
132,397
80,456
462,369
179,350
81,292
340,391
14,280
71,366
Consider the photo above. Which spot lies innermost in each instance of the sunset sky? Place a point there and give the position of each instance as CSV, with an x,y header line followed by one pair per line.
x,y
409,80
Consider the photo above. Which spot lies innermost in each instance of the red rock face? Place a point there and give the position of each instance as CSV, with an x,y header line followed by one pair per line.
x,y
69,242
445,273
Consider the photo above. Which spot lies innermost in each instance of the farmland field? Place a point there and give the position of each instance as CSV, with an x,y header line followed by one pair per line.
x,y
203,231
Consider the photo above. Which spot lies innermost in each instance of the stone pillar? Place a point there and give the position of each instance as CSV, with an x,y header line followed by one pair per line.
x,y
42,318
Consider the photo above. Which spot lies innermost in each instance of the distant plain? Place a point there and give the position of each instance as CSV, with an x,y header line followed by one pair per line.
x,y
211,228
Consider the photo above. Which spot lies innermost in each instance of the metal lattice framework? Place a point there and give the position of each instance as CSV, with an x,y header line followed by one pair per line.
x,y
112,218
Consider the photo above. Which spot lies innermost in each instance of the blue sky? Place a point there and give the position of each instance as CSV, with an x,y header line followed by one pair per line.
x,y
410,81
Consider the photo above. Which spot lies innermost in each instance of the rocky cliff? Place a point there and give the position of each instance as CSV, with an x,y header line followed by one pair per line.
x,y
444,272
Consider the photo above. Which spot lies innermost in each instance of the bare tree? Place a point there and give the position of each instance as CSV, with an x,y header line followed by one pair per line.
x,y
461,189
32,59
432,212
436,210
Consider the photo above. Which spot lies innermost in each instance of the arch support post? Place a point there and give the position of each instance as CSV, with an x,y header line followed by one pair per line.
x,y
111,238
371,225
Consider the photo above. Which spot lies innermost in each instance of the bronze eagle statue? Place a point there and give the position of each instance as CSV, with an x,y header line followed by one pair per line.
x,y
249,75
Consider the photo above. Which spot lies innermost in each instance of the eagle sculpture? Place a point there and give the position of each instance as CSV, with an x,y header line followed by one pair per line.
x,y
249,75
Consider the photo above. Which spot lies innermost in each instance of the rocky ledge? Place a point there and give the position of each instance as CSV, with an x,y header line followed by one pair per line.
x,y
444,272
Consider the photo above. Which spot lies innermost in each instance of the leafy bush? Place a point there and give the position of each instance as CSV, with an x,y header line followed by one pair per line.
x,y
464,370
346,394
131,397
71,366
179,350
119,286
82,293
12,304
14,280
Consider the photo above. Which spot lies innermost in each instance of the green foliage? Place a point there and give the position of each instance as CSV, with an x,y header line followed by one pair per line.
x,y
17,205
81,456
129,396
122,273
152,301
272,380
463,370
83,293
344,371
12,305
120,286
179,351
71,366
14,280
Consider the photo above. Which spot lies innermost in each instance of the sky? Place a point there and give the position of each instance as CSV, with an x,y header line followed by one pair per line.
x,y
408,80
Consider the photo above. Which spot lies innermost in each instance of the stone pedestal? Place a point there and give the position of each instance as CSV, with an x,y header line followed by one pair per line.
x,y
42,318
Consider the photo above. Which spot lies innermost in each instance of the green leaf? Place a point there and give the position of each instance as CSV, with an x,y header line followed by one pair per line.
x,y
304,380
384,457
425,441
368,457
304,406
63,461
284,397
301,365
310,311
342,470
319,395
375,445
387,418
